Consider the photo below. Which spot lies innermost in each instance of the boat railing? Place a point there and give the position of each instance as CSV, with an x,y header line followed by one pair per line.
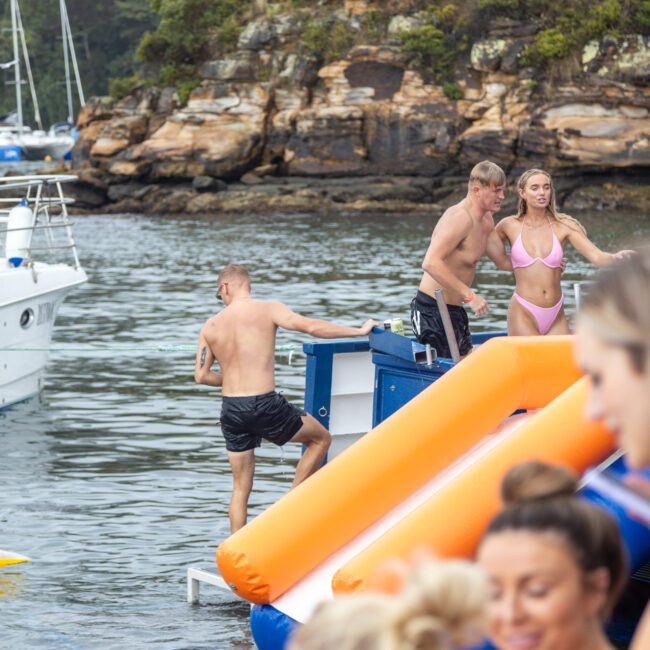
x,y
45,197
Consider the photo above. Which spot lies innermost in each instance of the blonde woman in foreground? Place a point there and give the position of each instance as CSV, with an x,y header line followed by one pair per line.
x,y
441,607
613,348
537,235
556,564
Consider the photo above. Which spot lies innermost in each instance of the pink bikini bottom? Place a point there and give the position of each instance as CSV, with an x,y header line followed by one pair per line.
x,y
544,316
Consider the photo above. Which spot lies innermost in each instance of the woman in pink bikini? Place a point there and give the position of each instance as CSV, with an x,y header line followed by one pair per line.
x,y
537,235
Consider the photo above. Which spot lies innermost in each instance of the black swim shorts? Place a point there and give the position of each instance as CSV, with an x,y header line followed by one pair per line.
x,y
246,420
428,327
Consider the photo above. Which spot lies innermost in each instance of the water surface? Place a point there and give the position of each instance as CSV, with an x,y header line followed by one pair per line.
x,y
115,479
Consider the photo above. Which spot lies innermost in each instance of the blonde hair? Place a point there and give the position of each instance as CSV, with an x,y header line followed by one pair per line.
x,y
522,206
617,305
486,173
233,273
540,498
442,606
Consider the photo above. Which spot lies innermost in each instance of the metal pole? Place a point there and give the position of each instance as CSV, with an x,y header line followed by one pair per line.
x,y
446,322
77,76
66,63
19,101
577,291
28,67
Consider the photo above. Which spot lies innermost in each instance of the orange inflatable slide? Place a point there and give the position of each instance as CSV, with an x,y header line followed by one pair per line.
x,y
444,438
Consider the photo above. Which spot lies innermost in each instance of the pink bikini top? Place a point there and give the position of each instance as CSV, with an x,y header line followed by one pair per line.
x,y
520,258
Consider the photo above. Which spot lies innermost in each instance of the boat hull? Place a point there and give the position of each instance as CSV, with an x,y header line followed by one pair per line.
x,y
46,146
29,303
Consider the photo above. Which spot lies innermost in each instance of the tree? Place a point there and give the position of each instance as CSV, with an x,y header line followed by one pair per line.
x,y
105,35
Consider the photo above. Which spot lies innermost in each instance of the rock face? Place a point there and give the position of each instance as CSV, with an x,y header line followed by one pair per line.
x,y
367,115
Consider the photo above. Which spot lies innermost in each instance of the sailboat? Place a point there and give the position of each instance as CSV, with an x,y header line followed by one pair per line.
x,y
39,144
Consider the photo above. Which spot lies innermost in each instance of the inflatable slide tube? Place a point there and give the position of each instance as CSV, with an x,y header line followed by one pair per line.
x,y
299,600
266,557
452,521
272,625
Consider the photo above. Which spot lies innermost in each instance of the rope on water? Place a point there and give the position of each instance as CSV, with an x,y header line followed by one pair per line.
x,y
291,348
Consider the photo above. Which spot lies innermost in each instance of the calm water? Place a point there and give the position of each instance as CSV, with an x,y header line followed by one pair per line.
x,y
115,479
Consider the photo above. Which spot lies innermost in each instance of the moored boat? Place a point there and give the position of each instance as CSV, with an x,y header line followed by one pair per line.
x,y
39,268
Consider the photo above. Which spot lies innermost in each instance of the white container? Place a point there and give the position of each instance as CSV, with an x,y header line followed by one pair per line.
x,y
19,231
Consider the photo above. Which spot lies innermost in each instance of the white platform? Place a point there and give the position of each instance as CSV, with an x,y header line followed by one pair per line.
x,y
197,575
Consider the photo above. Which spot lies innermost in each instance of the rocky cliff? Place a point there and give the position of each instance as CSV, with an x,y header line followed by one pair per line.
x,y
271,129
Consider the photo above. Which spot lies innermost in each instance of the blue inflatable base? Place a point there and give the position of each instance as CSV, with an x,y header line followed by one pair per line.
x,y
270,627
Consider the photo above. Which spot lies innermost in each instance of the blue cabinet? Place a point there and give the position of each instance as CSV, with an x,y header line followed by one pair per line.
x,y
401,371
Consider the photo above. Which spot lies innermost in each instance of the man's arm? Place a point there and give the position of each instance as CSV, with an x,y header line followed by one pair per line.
x,y
496,249
290,320
203,364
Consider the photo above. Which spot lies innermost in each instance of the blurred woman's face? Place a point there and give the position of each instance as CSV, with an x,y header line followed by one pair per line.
x,y
538,598
619,394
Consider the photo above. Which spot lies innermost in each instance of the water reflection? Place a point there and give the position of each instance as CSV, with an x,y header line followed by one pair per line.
x,y
115,479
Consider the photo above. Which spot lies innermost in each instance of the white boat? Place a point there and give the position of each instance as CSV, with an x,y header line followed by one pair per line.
x,y
41,145
39,268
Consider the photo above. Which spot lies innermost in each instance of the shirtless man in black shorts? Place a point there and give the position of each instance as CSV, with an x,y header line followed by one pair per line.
x,y
241,338
464,233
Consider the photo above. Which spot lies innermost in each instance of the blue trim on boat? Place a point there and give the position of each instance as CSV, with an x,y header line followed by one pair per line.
x,y
10,153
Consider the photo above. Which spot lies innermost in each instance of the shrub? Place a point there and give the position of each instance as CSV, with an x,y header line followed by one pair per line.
x,y
184,89
498,5
316,36
182,77
551,44
183,33
228,33
328,41
430,49
574,24
151,49
642,17
452,90
122,86
373,27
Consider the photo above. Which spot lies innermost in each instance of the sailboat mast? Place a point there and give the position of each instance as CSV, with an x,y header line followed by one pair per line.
x,y
75,67
19,101
64,37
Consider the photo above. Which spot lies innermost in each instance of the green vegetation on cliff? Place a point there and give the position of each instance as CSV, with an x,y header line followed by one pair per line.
x,y
123,43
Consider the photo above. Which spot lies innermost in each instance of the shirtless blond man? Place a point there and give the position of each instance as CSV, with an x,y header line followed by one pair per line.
x,y
464,233
241,339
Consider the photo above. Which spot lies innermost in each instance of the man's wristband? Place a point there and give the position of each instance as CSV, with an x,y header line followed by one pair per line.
x,y
470,297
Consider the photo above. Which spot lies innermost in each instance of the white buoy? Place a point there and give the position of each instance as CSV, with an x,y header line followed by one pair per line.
x,y
19,232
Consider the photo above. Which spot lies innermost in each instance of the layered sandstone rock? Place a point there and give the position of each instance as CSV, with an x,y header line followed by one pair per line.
x,y
367,115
